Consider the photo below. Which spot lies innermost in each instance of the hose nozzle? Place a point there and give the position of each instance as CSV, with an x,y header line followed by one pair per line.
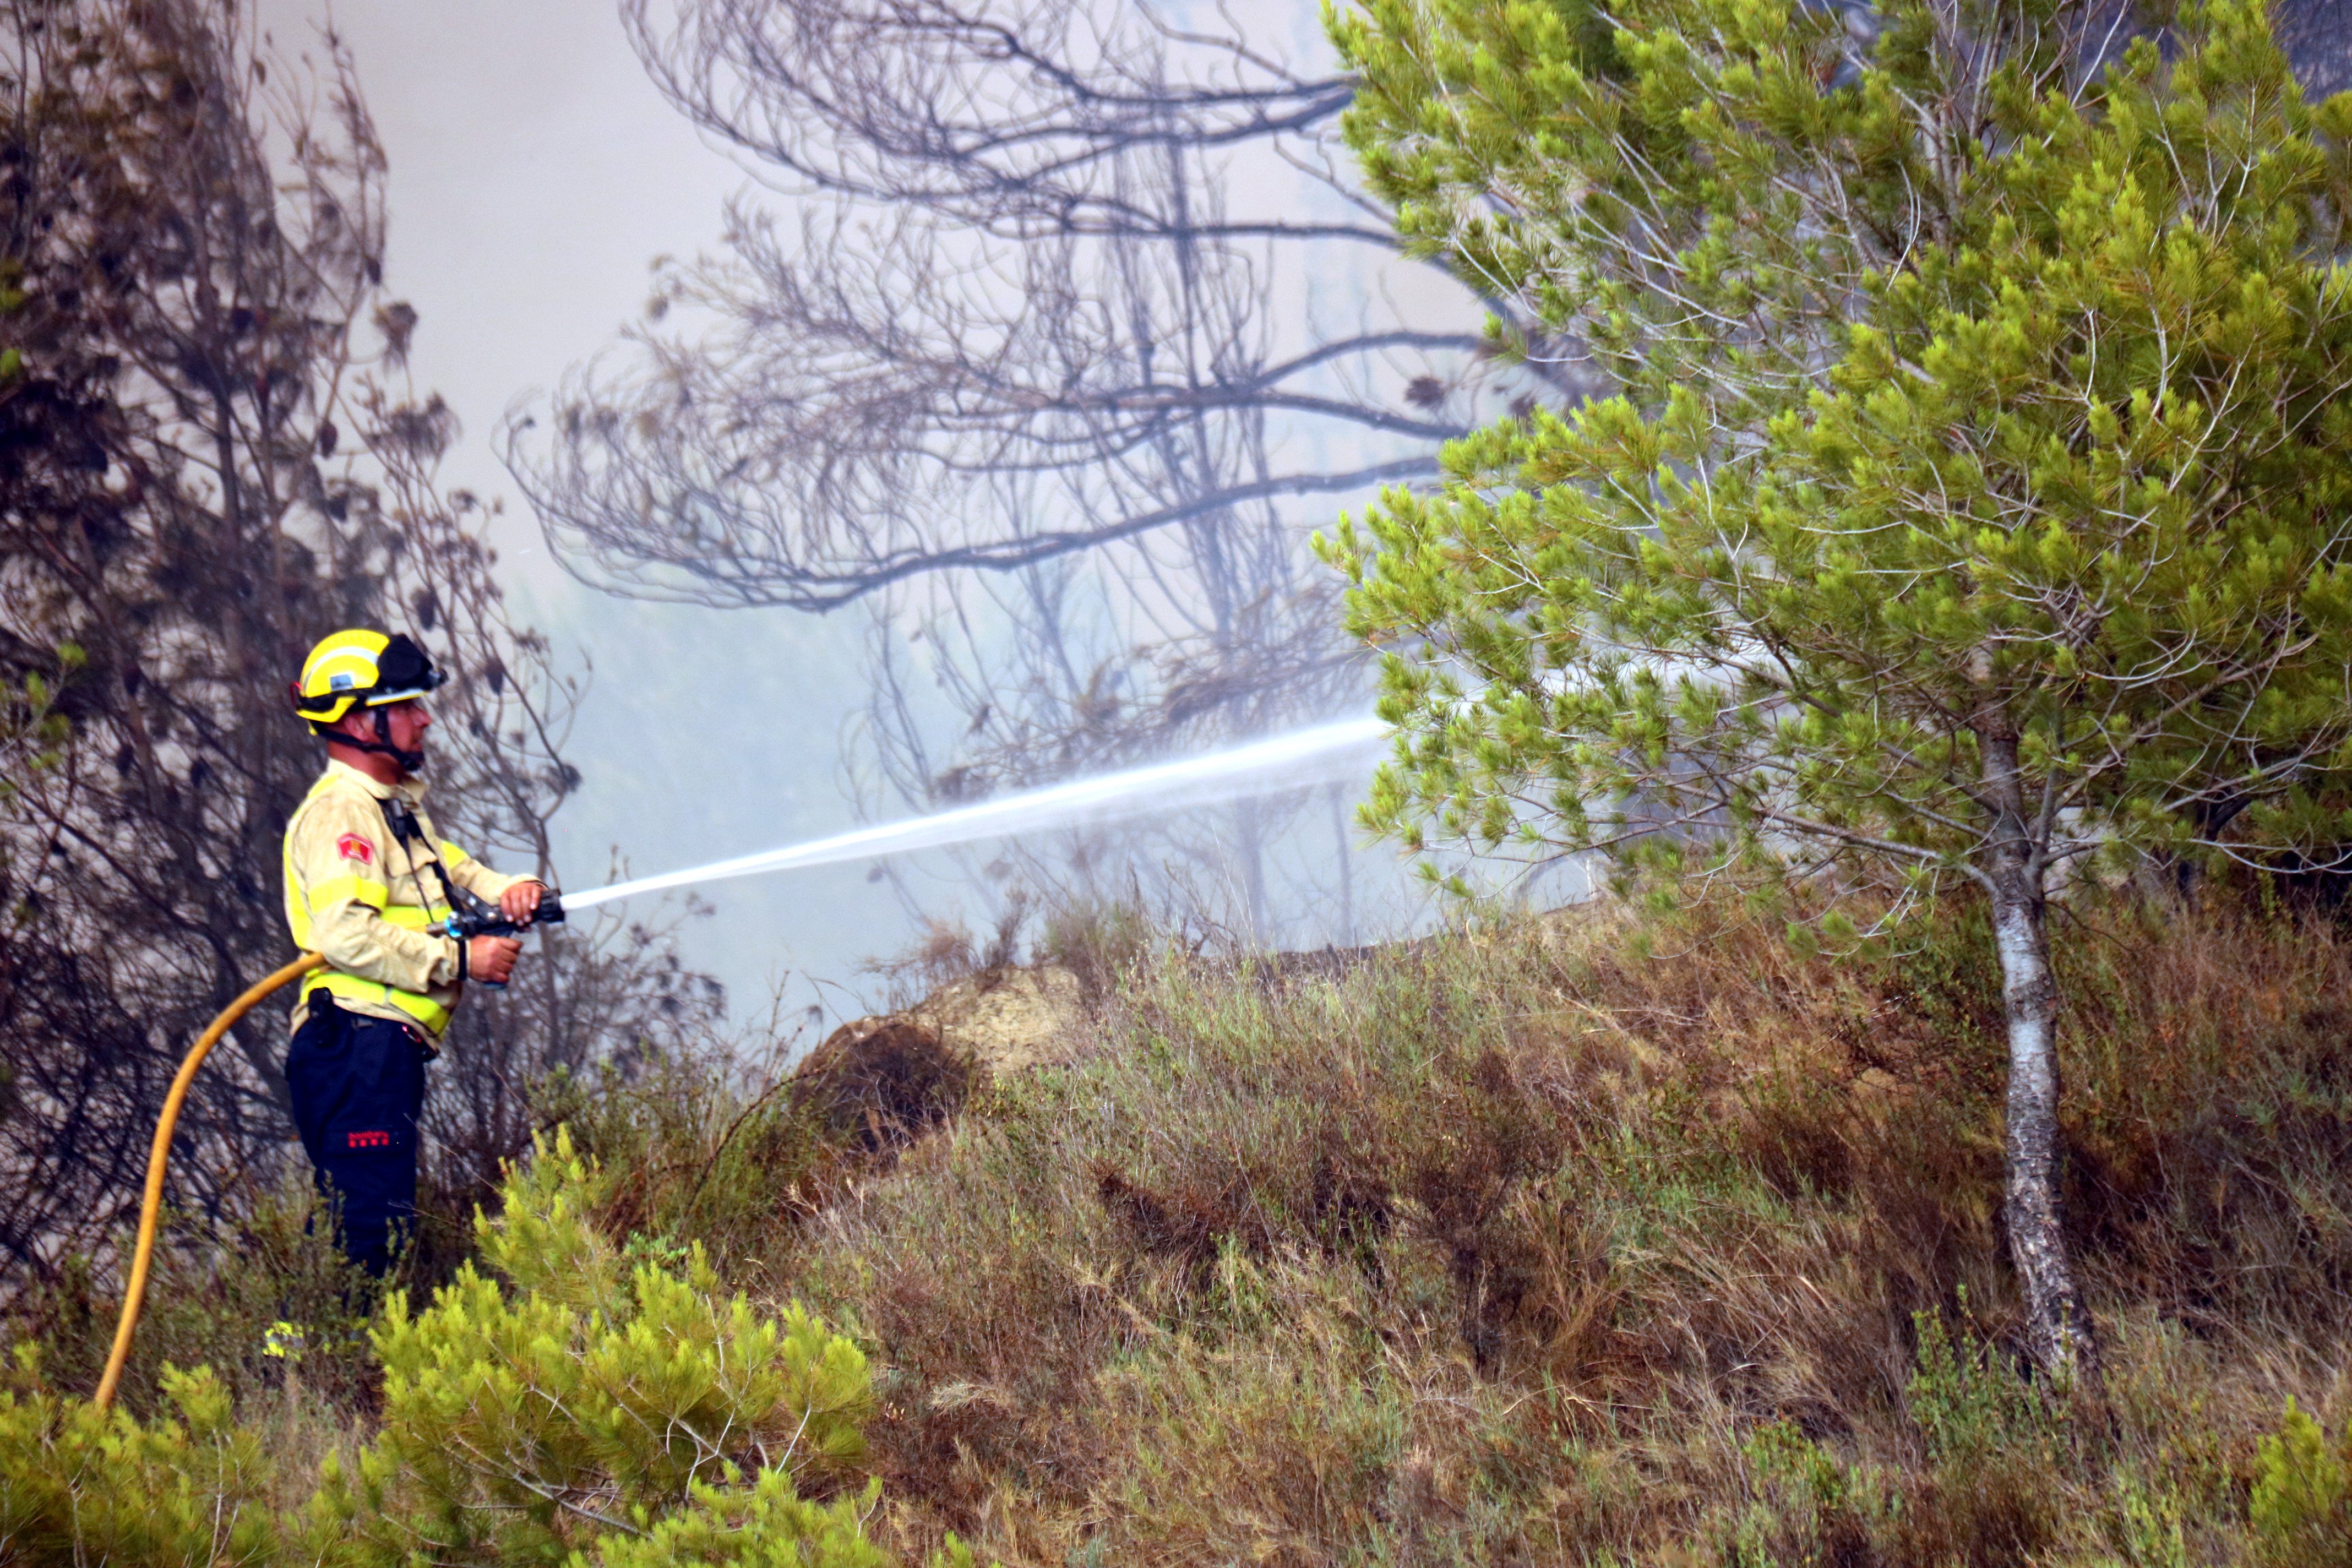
x,y
471,916
475,916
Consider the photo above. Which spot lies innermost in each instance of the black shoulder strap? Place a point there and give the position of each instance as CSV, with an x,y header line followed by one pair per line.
x,y
407,830
404,825
402,821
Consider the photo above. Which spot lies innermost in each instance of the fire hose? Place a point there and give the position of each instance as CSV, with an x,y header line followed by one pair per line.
x,y
151,1206
475,920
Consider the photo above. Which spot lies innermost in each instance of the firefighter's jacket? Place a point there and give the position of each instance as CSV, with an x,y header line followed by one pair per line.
x,y
372,903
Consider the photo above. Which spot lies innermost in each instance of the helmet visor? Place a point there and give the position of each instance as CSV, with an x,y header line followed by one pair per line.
x,y
402,672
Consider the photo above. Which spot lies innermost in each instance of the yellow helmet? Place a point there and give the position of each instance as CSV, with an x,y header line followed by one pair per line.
x,y
361,666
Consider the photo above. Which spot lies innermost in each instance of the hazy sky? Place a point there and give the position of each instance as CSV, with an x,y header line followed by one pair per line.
x,y
535,174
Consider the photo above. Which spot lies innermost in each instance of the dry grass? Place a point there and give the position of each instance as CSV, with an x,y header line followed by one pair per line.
x,y
1560,1243
1537,1246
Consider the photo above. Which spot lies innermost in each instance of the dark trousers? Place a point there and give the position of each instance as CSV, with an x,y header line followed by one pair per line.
x,y
358,1085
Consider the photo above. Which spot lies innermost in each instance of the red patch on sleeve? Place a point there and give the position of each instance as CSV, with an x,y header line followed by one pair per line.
x,y
352,846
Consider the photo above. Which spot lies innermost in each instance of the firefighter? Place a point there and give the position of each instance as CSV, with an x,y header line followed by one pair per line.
x,y
367,886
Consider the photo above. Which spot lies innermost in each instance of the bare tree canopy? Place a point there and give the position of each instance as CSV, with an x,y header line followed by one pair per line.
x,y
1061,273
1001,117
1069,325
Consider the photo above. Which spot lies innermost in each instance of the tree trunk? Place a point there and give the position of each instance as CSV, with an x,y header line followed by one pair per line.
x,y
1345,852
2059,1332
1252,848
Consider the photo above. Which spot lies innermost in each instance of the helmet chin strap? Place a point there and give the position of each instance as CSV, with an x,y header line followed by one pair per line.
x,y
381,746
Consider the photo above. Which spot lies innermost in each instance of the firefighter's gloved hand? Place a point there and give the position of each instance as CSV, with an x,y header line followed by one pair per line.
x,y
519,902
492,958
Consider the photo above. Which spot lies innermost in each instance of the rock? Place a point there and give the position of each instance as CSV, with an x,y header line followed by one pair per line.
x,y
1011,1021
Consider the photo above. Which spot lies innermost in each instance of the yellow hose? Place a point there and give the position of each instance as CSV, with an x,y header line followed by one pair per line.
x,y
136,1287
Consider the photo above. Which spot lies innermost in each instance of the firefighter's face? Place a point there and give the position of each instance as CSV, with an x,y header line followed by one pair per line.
x,y
409,720
404,724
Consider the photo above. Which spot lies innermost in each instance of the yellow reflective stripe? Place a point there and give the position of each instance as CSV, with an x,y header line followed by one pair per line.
x,y
452,855
433,1016
335,890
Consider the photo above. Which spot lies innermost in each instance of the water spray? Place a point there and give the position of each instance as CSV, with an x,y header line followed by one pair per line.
x,y
1317,755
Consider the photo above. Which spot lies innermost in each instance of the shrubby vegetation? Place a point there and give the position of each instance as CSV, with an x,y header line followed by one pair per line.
x,y
1567,1241
1584,1238
1628,1235
575,1404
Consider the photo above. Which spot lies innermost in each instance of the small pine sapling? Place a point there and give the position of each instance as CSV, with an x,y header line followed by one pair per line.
x,y
2301,1510
78,1484
595,1406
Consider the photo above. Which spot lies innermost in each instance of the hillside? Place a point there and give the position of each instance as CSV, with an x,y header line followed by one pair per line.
x,y
1548,1244
1551,1243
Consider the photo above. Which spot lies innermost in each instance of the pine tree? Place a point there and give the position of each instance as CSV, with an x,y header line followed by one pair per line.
x,y
1977,505
599,1403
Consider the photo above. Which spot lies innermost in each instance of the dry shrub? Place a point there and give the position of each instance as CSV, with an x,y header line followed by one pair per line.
x,y
1303,1433
947,951
965,1272
1571,1240
1520,1245
2211,1150
1098,942
1567,1241
696,1152
878,1083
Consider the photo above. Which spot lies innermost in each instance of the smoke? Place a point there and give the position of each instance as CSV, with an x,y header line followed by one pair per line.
x,y
1304,757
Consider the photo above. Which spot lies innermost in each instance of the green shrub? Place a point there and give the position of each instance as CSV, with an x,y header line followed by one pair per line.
x,y
1970,1408
81,1486
593,1405
1808,1508
2152,1525
2302,1505
764,1525
599,1404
